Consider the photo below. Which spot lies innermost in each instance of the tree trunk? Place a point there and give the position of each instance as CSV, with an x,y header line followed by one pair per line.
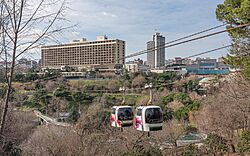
x,y
232,147
9,80
175,149
57,108
5,109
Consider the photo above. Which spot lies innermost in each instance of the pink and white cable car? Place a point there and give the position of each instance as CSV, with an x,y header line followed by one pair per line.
x,y
148,118
121,116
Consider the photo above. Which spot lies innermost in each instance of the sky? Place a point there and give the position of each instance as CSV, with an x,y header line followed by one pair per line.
x,y
135,21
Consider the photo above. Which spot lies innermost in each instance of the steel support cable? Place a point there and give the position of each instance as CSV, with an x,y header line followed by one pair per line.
x,y
182,38
186,41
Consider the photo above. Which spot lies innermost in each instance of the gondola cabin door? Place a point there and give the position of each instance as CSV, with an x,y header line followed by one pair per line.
x,y
121,116
148,118
113,117
138,119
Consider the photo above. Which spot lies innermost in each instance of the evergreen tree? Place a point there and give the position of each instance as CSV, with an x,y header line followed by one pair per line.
x,y
234,13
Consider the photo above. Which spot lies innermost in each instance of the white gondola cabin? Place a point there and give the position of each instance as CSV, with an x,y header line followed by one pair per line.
x,y
148,118
121,116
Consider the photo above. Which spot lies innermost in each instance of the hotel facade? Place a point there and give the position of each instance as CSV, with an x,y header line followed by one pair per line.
x,y
84,54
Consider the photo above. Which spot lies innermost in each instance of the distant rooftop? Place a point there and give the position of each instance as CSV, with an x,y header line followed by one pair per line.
x,y
83,41
98,38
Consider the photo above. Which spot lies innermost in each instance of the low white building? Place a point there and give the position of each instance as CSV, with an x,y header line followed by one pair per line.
x,y
134,67
158,71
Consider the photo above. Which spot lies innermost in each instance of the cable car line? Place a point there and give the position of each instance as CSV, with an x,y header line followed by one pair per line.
x,y
183,42
182,38
205,52
194,34
209,51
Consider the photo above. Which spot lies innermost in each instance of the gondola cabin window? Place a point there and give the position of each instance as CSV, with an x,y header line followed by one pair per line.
x,y
113,111
153,115
125,114
148,118
121,116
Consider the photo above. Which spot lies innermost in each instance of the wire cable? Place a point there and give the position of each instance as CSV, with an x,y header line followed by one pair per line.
x,y
186,41
206,52
185,37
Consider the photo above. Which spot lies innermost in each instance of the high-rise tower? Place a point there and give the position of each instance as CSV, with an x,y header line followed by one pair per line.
x,y
156,51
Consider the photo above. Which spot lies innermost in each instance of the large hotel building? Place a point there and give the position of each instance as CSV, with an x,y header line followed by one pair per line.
x,y
83,53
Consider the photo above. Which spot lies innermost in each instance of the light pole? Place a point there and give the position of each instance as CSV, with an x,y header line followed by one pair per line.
x,y
123,101
150,92
150,98
122,89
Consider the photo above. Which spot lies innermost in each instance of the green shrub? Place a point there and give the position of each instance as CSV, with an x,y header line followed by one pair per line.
x,y
9,149
216,144
193,105
243,145
167,113
3,90
74,116
30,104
111,100
191,150
141,151
182,97
182,113
169,98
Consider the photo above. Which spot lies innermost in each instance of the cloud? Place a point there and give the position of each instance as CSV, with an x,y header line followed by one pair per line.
x,y
135,21
108,14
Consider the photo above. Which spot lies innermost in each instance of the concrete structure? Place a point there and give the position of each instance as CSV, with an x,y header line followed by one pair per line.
x,y
169,62
220,59
150,54
187,61
134,67
83,53
137,65
138,61
25,63
179,69
207,66
158,71
156,51
135,61
74,74
178,60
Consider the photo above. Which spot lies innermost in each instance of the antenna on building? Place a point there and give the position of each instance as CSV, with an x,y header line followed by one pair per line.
x,y
156,31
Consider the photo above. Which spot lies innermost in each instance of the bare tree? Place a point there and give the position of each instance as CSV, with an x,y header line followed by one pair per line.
x,y
24,26
138,81
90,136
172,131
228,112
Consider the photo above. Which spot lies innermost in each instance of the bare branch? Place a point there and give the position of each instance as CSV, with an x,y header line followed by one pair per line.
x,y
45,31
32,16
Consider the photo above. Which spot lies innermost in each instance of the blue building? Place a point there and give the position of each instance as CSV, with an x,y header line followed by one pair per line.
x,y
207,67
